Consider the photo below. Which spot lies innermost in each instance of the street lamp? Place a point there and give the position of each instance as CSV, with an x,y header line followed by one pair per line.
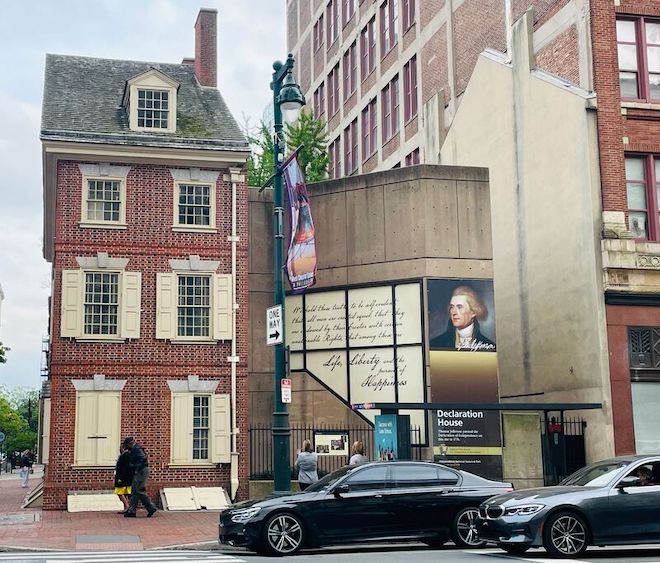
x,y
287,100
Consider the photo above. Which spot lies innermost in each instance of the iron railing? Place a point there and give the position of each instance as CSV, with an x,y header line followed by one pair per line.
x,y
261,446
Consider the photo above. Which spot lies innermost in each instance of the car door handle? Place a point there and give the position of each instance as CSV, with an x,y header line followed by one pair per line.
x,y
378,496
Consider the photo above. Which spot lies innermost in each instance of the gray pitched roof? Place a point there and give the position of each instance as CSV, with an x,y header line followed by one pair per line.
x,y
83,97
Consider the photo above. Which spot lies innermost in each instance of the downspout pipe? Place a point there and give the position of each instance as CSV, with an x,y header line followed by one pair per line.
x,y
236,176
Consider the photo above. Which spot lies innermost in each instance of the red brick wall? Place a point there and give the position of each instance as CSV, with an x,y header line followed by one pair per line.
x,y
391,146
292,24
146,363
560,56
411,127
304,64
543,9
478,24
433,71
428,9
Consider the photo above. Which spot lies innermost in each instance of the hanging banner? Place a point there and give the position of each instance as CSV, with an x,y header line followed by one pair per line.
x,y
301,257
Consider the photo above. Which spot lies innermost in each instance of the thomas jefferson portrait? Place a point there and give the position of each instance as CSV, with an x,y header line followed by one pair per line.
x,y
465,309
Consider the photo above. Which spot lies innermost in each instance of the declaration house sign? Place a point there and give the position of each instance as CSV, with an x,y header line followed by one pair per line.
x,y
344,338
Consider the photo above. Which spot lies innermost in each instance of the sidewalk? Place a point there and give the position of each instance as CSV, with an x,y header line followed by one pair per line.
x,y
33,529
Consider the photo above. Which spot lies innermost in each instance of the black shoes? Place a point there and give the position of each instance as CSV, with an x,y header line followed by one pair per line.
x,y
150,513
129,514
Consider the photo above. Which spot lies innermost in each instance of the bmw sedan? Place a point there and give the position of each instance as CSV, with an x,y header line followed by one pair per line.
x,y
401,500
612,502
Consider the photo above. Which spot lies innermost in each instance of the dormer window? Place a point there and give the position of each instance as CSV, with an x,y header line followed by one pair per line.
x,y
150,100
153,109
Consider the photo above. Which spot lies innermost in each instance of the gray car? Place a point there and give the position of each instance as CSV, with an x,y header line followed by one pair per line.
x,y
611,502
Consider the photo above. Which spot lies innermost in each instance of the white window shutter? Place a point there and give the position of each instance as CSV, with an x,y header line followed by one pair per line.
x,y
166,311
45,432
220,430
182,431
86,427
131,301
223,302
109,427
72,295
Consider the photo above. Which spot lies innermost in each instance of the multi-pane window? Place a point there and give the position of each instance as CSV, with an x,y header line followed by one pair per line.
x,y
153,109
332,18
351,148
318,34
413,157
368,49
194,206
369,130
194,306
348,10
104,200
390,109
350,71
410,89
201,426
389,20
334,159
333,91
643,191
638,42
101,304
319,101
408,7
644,361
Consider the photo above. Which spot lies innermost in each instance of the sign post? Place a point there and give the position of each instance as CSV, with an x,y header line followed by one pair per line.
x,y
274,329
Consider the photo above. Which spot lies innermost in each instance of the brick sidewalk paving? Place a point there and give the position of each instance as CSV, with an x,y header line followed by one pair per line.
x,y
35,529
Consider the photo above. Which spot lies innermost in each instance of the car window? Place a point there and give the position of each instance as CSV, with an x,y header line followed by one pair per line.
x,y
647,473
595,475
367,479
418,476
329,479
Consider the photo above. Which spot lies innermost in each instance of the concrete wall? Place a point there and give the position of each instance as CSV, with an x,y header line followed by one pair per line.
x,y
537,135
408,223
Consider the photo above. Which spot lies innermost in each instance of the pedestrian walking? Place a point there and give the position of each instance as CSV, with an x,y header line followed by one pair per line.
x,y
358,457
139,464
123,477
306,463
24,472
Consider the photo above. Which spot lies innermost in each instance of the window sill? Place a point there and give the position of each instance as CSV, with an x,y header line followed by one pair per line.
x,y
109,340
191,229
331,45
410,120
193,341
193,465
368,75
77,466
640,105
102,225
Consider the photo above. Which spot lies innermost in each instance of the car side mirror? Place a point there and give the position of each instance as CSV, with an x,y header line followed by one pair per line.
x,y
340,490
628,481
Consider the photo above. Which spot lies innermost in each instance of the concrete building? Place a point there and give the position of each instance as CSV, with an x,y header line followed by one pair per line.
x,y
145,225
569,132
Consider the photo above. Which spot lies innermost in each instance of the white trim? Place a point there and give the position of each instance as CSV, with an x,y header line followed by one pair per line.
x,y
192,385
212,205
194,264
95,172
98,382
187,175
102,262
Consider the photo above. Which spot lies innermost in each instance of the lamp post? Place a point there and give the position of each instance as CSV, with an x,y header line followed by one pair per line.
x,y
287,100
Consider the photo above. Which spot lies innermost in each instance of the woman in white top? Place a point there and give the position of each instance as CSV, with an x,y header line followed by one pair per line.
x,y
306,464
358,456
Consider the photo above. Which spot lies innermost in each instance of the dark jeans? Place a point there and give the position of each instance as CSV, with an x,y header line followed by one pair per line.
x,y
138,491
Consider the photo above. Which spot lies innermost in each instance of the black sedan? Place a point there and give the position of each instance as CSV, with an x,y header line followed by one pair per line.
x,y
388,500
612,502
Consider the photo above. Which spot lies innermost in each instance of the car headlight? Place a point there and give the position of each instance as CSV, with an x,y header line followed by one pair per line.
x,y
242,516
523,510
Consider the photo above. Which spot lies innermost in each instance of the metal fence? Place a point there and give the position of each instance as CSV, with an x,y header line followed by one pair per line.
x,y
261,446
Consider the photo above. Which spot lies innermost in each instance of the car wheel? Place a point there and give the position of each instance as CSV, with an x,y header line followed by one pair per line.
x,y
514,548
464,532
283,534
565,534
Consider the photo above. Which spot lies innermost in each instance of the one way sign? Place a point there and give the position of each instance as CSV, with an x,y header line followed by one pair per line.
x,y
274,325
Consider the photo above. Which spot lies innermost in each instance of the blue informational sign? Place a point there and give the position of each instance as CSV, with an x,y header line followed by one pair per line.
x,y
2,437
385,442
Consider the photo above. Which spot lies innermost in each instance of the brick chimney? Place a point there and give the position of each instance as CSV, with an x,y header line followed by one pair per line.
x,y
206,47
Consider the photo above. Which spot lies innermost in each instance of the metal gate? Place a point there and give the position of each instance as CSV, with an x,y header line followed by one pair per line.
x,y
563,447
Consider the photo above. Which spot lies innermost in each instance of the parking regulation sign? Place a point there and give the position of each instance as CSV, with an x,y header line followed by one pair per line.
x,y
286,390
274,334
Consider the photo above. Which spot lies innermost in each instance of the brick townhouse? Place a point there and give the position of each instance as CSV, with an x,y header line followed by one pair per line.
x,y
145,225
560,99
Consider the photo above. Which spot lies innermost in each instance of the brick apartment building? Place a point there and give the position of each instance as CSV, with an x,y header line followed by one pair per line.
x,y
145,226
560,99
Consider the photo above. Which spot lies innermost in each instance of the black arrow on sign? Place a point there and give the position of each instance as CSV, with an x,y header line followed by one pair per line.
x,y
275,336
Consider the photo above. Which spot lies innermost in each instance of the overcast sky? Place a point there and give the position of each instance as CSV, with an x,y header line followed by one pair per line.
x,y
251,34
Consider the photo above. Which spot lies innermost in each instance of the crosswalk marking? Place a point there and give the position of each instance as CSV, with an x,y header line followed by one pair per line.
x,y
176,556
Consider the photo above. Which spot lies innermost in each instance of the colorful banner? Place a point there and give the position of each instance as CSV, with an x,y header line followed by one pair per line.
x,y
463,366
301,257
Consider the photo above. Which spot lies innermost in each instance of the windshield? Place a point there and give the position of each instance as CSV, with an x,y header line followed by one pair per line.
x,y
595,475
329,479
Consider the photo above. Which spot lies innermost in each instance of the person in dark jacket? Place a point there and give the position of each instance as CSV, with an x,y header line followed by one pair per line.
x,y
139,464
123,477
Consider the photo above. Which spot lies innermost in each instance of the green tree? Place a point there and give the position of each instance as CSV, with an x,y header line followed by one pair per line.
x,y
311,134
3,353
25,401
19,437
260,162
